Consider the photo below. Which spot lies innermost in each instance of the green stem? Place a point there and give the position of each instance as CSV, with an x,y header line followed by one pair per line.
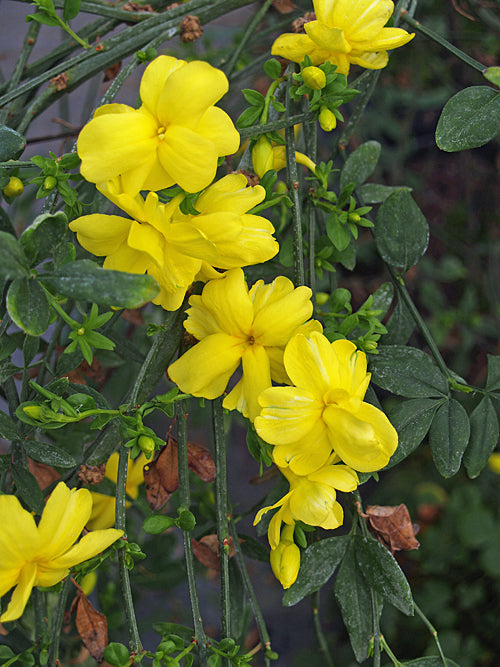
x,y
57,624
249,30
391,655
126,590
436,37
65,26
40,619
275,125
311,135
222,512
185,500
432,630
264,117
292,178
323,645
249,590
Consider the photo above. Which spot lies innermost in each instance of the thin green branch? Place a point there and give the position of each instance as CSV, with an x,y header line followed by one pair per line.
x,y
185,500
323,645
274,125
432,630
57,623
436,37
222,510
249,30
249,590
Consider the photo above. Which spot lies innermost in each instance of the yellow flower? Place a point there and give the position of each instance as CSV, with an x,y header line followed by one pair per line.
x,y
285,559
345,32
174,248
327,119
266,156
176,136
324,411
42,555
494,462
314,77
103,508
311,499
235,324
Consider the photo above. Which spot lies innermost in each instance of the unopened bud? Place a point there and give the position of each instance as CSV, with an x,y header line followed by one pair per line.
x,y
354,217
285,559
32,411
321,298
50,182
314,77
147,444
186,520
262,156
327,119
14,187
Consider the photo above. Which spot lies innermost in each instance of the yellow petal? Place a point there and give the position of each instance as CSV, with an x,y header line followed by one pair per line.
x,y
365,441
263,295
288,414
329,39
154,79
50,577
89,546
127,259
256,377
217,126
306,455
230,194
361,19
339,477
386,39
113,143
275,323
19,537
352,375
235,400
64,516
189,92
103,512
205,369
335,517
101,234
370,60
311,363
189,158
8,578
295,47
21,594
146,239
310,503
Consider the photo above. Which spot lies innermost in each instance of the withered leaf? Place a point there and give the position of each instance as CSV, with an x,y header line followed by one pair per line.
x,y
200,461
156,495
392,526
284,6
92,626
43,473
207,551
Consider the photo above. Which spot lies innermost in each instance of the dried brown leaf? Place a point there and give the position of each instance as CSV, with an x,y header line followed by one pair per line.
x,y
207,551
200,461
92,627
284,6
392,526
43,474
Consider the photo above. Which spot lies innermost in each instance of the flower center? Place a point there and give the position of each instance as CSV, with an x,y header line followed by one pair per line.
x,y
161,133
251,340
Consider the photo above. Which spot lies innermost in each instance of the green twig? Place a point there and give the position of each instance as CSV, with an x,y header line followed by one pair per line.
x,y
249,30
436,37
57,623
432,630
323,645
185,500
274,125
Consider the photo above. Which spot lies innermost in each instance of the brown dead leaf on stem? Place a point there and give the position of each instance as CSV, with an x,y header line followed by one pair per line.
x,y
161,476
206,550
284,6
392,526
92,626
43,474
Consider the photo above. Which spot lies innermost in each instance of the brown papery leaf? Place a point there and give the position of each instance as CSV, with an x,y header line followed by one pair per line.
x,y
92,626
392,526
155,493
43,474
200,461
284,6
207,551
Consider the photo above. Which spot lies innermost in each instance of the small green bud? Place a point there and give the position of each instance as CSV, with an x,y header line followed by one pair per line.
x,y
314,78
33,411
321,298
354,217
147,444
370,345
14,187
327,119
50,182
186,520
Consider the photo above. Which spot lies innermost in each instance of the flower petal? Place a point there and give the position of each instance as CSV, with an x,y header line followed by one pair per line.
x,y
8,579
339,477
275,323
329,39
295,47
146,239
311,363
217,126
256,377
230,194
288,414
101,234
21,594
387,38
154,78
19,537
306,455
89,546
189,158
205,369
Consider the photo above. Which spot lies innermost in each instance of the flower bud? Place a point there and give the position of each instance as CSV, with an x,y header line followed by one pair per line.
x,y
354,217
327,119
262,156
50,182
494,462
147,444
186,520
314,77
321,298
285,559
32,411
14,187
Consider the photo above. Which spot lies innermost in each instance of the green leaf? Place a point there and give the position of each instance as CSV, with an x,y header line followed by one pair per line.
x,y
116,654
493,381
157,524
31,347
373,193
71,9
484,433
83,280
469,119
12,144
338,233
412,420
28,488
448,437
399,326
41,238
42,17
51,455
408,372
8,344
272,68
13,261
430,661
381,571
8,428
182,631
249,117
401,231
254,549
5,222
254,98
360,164
317,564
7,370
382,299
28,306
355,602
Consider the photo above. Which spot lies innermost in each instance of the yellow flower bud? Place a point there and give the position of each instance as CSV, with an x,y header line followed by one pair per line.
x,y
262,156
50,182
14,187
147,444
322,298
314,77
494,462
327,119
285,559
32,411
87,584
